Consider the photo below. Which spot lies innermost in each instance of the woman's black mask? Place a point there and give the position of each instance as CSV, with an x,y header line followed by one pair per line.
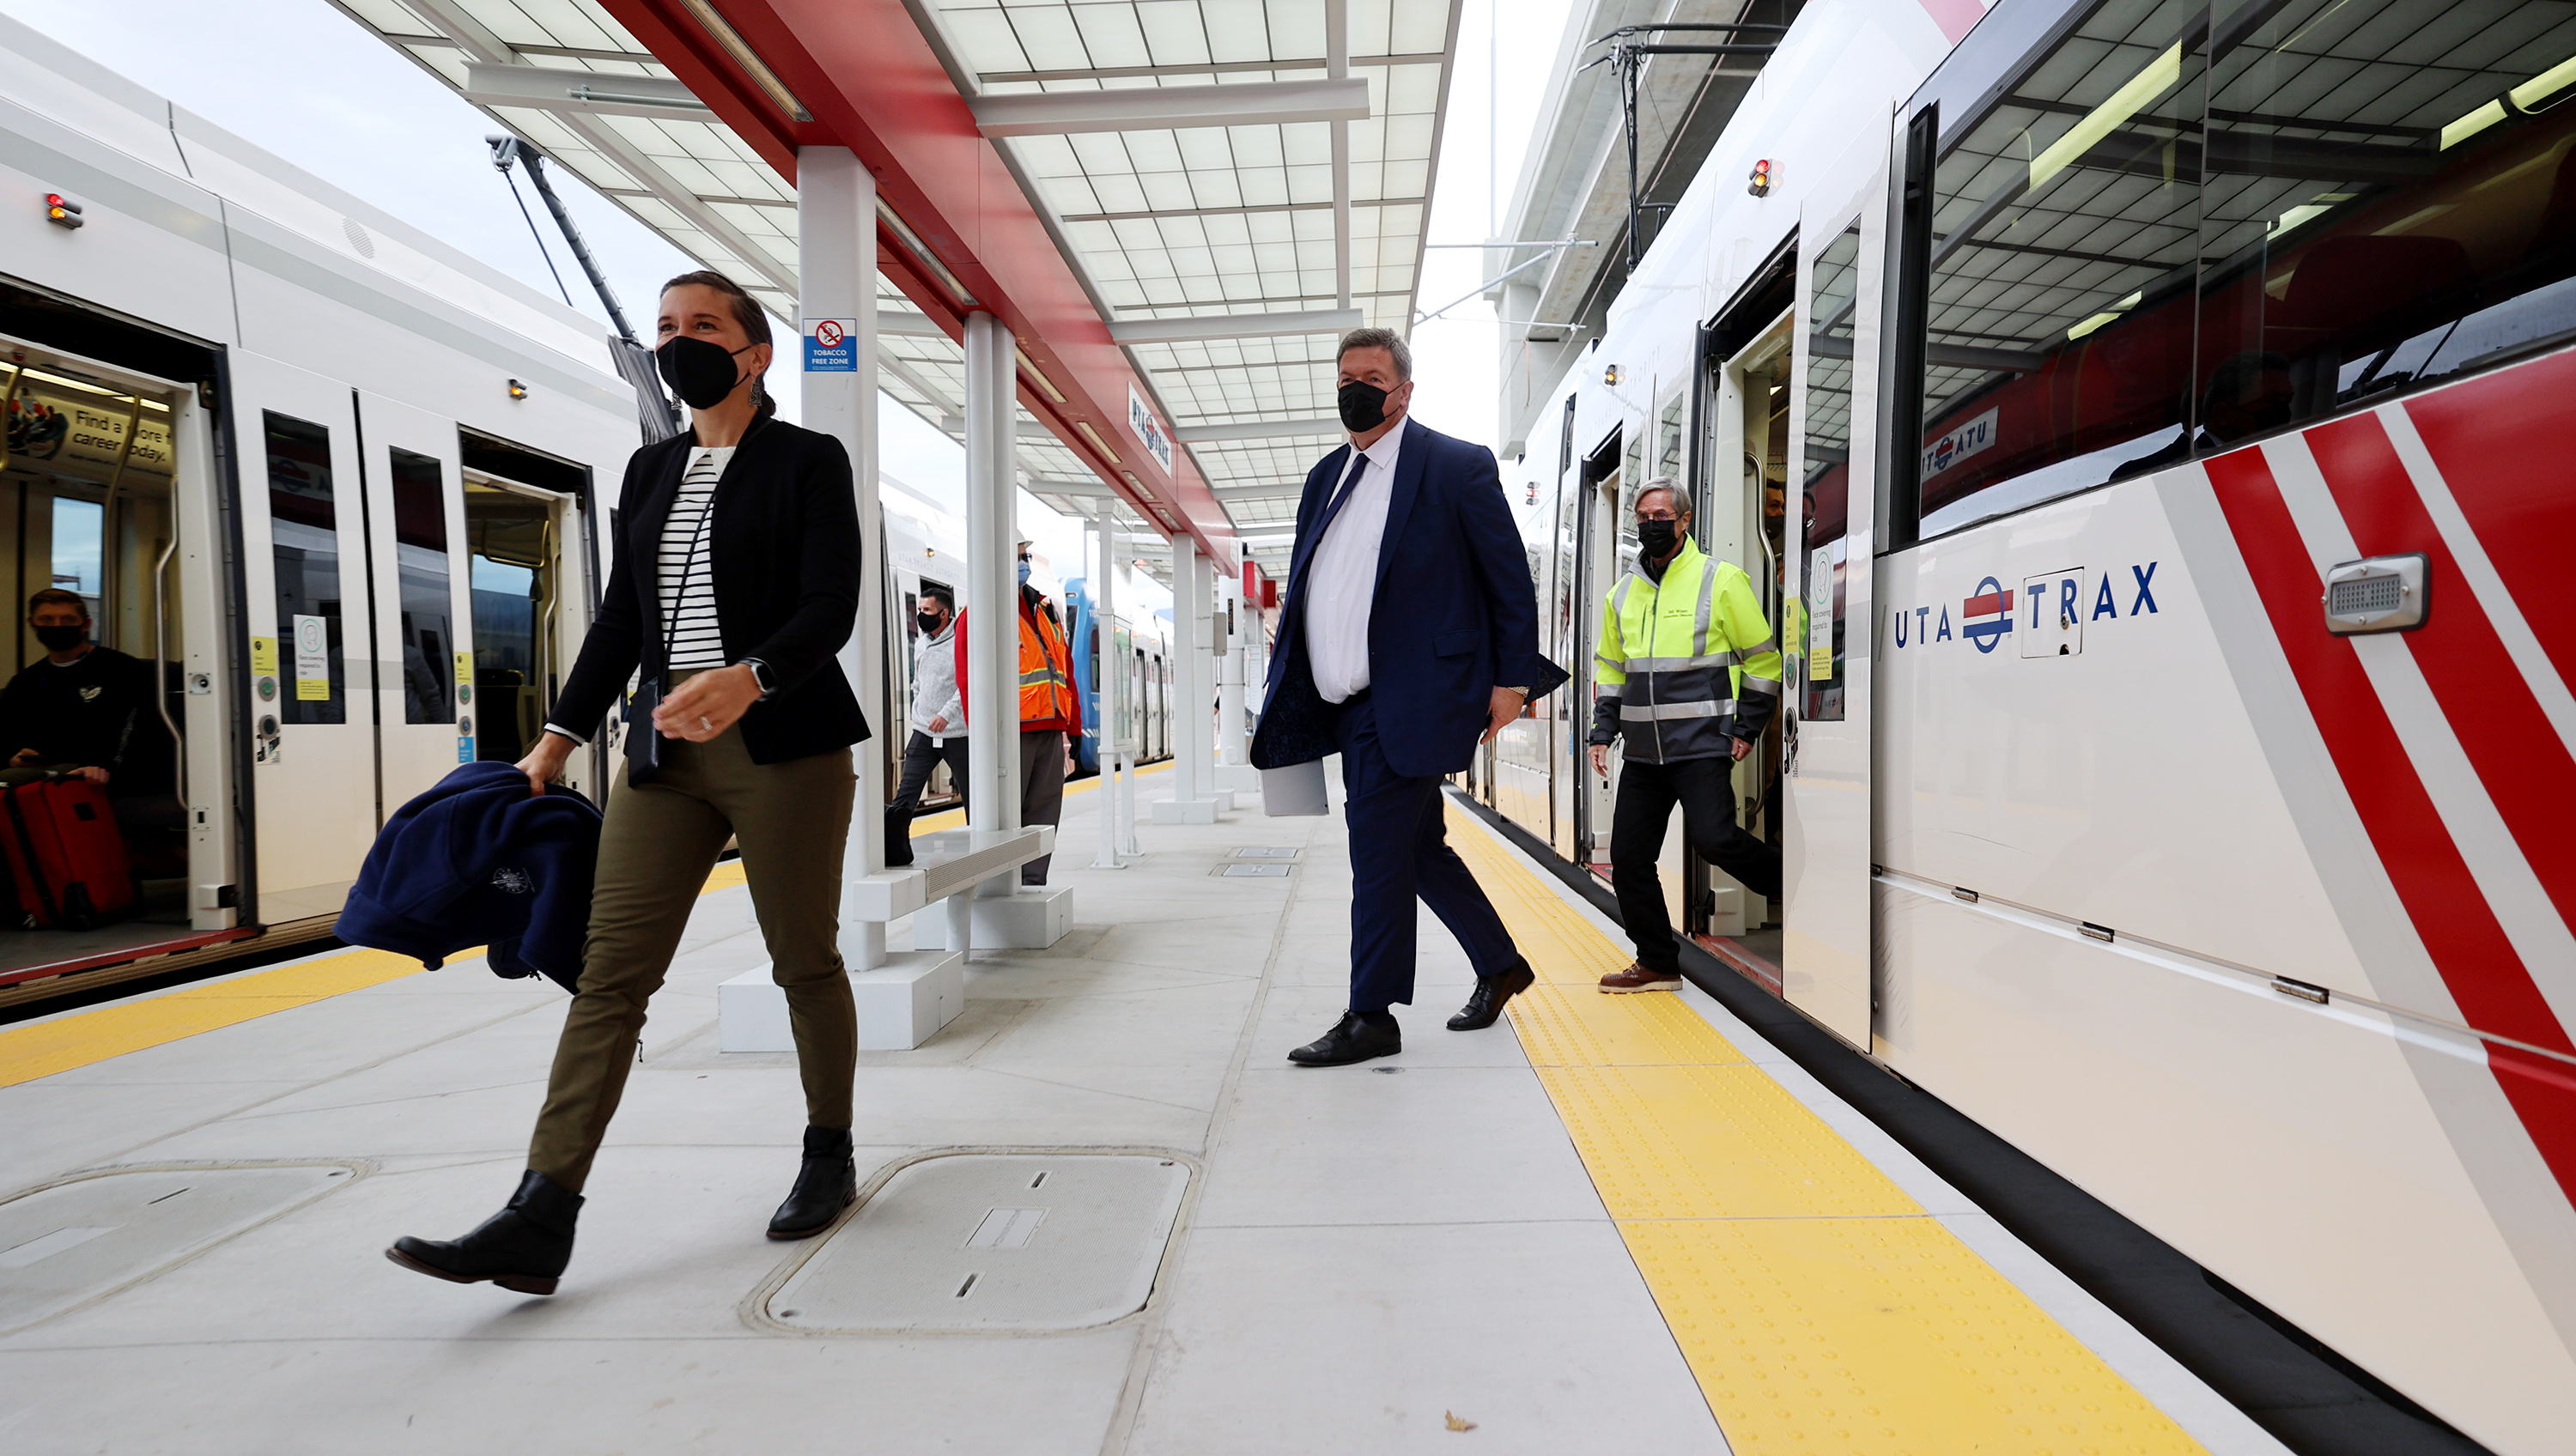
x,y
1363,405
1657,537
699,372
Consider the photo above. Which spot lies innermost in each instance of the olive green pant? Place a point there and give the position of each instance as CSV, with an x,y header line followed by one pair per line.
x,y
661,839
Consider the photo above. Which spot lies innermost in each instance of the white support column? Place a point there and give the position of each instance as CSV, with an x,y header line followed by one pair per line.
x,y
1109,678
1239,629
1193,798
992,618
902,1000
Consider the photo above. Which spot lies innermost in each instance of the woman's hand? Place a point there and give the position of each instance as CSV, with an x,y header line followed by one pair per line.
x,y
701,709
545,762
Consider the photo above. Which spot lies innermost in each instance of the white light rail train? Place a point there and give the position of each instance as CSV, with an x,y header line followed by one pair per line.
x,y
338,479
2153,423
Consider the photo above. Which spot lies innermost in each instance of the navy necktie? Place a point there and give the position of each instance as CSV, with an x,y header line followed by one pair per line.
x,y
1350,484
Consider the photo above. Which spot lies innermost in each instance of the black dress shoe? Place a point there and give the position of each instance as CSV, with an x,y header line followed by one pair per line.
x,y
826,1182
524,1247
1491,992
1352,1039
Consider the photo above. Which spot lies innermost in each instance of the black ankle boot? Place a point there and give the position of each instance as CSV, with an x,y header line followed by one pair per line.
x,y
523,1247
826,1182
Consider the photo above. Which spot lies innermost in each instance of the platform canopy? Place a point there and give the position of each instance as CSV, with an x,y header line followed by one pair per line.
x,y
1221,187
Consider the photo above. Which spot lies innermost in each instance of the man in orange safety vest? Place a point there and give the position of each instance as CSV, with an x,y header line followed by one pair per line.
x,y
1050,711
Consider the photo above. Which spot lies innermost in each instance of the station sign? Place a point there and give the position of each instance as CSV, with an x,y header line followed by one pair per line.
x,y
1158,441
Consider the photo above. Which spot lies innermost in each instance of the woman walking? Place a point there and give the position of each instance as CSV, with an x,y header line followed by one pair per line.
x,y
736,581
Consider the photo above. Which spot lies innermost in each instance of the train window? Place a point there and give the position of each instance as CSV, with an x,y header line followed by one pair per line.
x,y
1825,472
428,602
304,540
2391,201
2058,324
80,558
1668,439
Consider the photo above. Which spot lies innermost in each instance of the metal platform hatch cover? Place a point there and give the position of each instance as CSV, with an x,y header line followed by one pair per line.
x,y
63,1246
998,1242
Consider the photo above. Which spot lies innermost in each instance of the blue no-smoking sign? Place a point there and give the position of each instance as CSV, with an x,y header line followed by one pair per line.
x,y
831,346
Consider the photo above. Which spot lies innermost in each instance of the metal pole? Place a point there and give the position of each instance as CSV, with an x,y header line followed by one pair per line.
x,y
836,230
1106,676
1627,64
590,265
1337,66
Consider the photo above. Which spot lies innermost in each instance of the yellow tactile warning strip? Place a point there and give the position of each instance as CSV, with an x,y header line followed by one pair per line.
x,y
29,1052
1821,1309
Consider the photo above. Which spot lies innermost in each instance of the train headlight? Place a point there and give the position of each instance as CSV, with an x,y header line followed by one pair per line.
x,y
62,212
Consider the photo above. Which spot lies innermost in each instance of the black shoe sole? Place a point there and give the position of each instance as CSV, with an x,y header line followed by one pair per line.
x,y
516,1283
1344,1061
786,1235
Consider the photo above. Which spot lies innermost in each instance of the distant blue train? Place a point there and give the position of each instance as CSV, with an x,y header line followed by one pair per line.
x,y
1146,652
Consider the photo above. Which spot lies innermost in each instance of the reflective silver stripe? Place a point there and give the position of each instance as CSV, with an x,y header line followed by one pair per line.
x,y
1707,598
1767,644
1763,685
1613,663
1680,664
1652,712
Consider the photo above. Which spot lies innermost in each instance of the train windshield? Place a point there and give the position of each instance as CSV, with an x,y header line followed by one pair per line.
x,y
2183,226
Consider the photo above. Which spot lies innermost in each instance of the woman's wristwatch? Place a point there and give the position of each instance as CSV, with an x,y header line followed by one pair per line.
x,y
760,677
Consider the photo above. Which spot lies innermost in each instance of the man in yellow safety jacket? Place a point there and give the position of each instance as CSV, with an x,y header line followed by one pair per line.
x,y
1689,675
1050,711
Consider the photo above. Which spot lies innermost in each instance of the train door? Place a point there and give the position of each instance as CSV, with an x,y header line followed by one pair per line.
x,y
422,628
1825,624
312,636
1606,545
107,494
1740,520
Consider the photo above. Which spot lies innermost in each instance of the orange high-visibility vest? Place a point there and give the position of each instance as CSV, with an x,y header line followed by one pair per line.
x,y
1047,698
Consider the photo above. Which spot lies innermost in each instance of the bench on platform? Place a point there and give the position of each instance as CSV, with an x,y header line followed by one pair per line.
x,y
907,999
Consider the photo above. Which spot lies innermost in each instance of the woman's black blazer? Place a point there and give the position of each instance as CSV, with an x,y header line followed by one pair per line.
x,y
784,552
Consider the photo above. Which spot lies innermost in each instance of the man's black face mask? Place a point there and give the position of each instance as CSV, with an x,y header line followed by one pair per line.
x,y
930,623
1363,406
1658,537
699,372
62,639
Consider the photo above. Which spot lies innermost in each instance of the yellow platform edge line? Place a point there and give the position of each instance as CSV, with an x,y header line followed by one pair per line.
x,y
69,1042
1820,1309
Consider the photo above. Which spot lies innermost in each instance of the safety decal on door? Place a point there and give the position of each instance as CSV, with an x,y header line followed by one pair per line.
x,y
263,668
312,658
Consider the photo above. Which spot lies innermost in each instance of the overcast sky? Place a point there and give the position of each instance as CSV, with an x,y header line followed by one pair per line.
x,y
304,81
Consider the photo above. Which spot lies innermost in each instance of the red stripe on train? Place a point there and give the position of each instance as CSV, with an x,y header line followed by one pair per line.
x,y
2503,445
2469,949
1990,602
2509,740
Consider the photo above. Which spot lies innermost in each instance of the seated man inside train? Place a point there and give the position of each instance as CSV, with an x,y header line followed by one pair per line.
x,y
938,718
87,710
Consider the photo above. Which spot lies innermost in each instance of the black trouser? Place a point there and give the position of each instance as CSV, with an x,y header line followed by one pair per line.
x,y
920,756
1705,789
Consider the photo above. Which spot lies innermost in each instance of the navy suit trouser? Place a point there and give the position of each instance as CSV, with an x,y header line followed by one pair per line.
x,y
1399,852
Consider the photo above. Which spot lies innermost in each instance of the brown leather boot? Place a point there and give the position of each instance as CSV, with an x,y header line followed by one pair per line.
x,y
1638,978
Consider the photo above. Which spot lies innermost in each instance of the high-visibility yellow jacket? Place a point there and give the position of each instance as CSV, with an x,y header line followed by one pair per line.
x,y
1684,663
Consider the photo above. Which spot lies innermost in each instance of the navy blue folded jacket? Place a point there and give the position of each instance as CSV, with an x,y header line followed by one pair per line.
x,y
478,860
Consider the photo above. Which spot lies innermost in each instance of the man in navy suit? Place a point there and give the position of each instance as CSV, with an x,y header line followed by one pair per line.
x,y
1409,637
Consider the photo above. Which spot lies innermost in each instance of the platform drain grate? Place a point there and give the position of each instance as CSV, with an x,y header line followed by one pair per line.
x,y
63,1246
1266,851
1255,871
994,1241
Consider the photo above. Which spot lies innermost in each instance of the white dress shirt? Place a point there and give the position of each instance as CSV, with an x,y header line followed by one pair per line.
x,y
1341,579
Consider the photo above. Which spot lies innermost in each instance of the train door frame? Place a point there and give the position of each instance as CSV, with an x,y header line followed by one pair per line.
x,y
196,575
570,609
307,846
1596,553
1828,789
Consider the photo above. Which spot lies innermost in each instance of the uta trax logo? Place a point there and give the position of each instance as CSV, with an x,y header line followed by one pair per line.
x,y
2047,615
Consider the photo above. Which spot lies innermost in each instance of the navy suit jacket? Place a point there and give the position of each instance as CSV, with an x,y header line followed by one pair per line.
x,y
1455,614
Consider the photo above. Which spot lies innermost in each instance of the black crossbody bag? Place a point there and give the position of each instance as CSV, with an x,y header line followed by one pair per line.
x,y
643,740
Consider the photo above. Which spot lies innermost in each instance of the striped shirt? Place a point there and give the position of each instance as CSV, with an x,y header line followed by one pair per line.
x,y
686,577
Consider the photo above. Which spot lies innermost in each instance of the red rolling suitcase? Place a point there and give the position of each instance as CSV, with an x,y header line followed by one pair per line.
x,y
65,856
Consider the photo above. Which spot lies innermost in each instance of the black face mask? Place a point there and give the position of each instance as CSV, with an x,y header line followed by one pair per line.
x,y
1363,406
929,623
699,372
62,639
1658,537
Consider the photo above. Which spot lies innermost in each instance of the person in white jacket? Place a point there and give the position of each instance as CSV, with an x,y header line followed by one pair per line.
x,y
938,718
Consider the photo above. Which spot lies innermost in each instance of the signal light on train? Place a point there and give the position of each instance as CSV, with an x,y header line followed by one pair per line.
x,y
62,212
1761,183
1610,376
518,390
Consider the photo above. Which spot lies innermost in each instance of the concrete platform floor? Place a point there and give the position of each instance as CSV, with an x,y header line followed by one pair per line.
x,y
1363,1252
